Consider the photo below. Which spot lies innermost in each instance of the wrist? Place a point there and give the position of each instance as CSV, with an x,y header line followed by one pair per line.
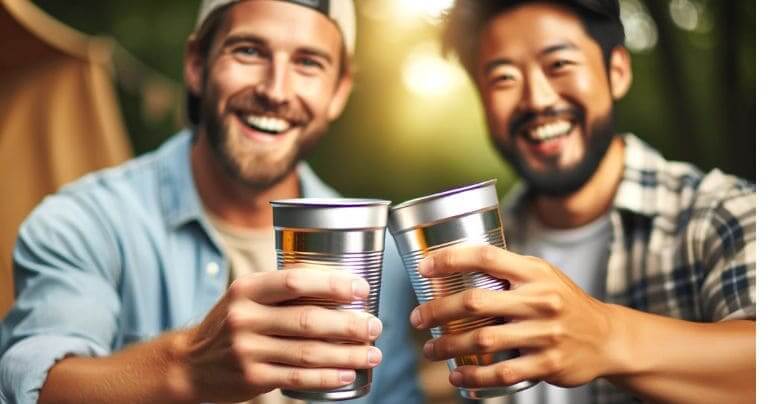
x,y
179,380
621,345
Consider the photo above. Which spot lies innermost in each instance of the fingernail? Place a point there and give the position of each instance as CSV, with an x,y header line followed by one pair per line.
x,y
374,327
429,347
456,378
427,266
416,318
359,289
347,376
374,356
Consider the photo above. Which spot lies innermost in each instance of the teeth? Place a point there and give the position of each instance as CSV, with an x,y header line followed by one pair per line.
x,y
267,124
550,130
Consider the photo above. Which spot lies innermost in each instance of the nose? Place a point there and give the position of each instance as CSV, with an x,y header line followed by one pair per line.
x,y
539,94
278,86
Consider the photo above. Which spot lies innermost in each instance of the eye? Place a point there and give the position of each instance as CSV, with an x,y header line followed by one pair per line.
x,y
249,53
502,79
310,65
561,64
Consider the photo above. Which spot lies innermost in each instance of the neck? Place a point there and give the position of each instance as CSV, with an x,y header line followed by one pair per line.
x,y
231,201
592,200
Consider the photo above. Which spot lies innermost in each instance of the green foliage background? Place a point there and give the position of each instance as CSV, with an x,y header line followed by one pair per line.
x,y
693,97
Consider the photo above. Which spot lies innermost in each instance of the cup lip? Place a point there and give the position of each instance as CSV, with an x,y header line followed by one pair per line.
x,y
442,194
328,202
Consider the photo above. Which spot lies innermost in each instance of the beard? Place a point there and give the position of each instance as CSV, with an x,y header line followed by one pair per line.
x,y
559,181
249,164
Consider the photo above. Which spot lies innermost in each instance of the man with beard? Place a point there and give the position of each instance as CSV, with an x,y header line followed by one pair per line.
x,y
642,271
154,281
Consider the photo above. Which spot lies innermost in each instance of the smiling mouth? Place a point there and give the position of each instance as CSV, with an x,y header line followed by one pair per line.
x,y
267,124
548,131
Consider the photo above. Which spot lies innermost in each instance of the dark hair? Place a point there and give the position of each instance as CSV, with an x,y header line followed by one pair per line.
x,y
204,41
463,24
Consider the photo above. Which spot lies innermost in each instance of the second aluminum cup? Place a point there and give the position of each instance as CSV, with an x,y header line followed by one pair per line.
x,y
340,235
464,215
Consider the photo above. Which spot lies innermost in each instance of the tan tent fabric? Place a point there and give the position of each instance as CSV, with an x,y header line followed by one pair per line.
x,y
58,116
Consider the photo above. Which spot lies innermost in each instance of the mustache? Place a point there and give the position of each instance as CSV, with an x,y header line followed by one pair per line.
x,y
254,102
526,118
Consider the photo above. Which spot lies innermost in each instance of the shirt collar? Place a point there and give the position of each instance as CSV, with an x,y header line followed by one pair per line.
x,y
179,197
638,189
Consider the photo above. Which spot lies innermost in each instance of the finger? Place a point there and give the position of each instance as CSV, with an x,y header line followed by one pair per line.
x,y
488,259
491,339
316,323
531,366
478,302
289,284
294,378
309,353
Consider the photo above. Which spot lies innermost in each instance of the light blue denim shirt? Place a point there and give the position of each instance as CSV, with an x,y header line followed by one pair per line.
x,y
126,253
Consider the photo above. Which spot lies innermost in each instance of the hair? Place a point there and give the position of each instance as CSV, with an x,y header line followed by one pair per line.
x,y
464,23
203,41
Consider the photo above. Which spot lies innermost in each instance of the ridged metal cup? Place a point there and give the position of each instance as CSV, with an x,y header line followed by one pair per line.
x,y
340,235
467,215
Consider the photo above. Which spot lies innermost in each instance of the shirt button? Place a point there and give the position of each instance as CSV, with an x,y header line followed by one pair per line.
x,y
212,269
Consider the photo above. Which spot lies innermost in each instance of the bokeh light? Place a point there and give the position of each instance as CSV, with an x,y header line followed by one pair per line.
x,y
640,29
426,73
686,14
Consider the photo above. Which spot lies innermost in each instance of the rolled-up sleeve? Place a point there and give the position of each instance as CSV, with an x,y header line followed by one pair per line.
x,y
66,272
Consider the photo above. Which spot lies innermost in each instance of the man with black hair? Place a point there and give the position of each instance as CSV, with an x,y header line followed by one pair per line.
x,y
154,282
640,279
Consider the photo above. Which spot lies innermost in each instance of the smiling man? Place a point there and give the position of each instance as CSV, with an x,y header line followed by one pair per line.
x,y
639,275
154,282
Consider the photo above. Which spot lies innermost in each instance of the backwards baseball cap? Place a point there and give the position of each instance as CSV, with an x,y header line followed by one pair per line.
x,y
341,12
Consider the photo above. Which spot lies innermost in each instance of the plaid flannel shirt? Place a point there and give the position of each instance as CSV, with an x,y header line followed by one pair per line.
x,y
683,243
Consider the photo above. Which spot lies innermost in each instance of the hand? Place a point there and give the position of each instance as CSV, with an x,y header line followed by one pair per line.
x,y
248,344
564,334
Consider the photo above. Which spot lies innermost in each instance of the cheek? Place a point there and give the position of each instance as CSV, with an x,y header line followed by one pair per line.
x,y
499,107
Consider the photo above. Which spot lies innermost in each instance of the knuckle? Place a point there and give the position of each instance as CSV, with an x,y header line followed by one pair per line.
x,y
505,374
556,333
474,301
305,355
554,304
553,361
292,280
294,377
306,325
338,286
484,340
487,255
253,375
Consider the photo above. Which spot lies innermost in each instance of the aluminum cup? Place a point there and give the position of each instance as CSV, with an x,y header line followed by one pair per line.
x,y
337,235
466,215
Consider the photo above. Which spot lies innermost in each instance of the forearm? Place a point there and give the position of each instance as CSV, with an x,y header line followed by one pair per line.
x,y
673,361
143,373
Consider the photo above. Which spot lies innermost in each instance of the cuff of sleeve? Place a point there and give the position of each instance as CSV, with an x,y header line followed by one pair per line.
x,y
24,367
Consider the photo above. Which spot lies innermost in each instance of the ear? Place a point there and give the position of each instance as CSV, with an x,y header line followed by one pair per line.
x,y
340,96
620,71
194,63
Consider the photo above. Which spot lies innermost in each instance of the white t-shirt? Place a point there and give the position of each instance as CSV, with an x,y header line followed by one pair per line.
x,y
582,254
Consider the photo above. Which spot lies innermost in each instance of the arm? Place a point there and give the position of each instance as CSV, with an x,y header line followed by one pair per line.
x,y
246,346
570,338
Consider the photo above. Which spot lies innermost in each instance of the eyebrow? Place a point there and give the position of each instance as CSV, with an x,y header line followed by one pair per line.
x,y
567,45
307,50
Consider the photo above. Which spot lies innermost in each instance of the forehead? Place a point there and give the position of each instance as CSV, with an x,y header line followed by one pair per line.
x,y
283,24
531,27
